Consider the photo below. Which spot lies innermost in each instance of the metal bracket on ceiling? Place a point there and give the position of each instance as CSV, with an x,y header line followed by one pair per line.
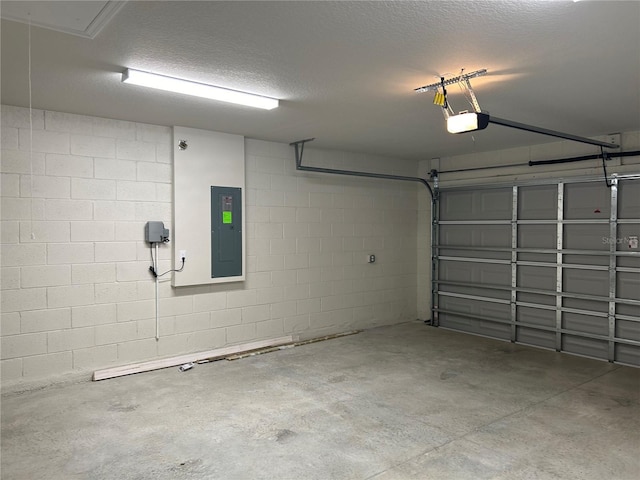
x,y
299,149
472,96
441,91
463,77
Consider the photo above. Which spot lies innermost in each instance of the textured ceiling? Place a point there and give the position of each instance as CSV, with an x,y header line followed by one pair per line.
x,y
346,71
83,18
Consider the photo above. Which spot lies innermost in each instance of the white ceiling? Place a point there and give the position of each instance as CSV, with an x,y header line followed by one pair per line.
x,y
346,71
83,18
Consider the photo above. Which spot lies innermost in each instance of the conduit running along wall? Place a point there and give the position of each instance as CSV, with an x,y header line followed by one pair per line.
x,y
553,265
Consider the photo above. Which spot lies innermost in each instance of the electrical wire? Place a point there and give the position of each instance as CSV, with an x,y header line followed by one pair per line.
x,y
154,270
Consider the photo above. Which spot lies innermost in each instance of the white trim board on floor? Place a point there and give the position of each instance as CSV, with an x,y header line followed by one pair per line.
x,y
191,357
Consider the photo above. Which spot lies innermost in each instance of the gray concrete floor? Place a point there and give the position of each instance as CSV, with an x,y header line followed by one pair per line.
x,y
392,403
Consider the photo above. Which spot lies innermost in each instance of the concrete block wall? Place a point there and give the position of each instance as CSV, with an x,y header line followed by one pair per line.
x,y
76,291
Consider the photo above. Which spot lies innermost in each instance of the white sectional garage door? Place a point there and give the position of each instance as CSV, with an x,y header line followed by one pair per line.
x,y
549,265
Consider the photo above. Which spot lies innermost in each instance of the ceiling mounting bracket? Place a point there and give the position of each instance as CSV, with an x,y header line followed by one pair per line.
x,y
472,96
299,149
463,77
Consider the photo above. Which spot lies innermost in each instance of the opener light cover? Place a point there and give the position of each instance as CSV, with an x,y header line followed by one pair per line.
x,y
467,122
186,87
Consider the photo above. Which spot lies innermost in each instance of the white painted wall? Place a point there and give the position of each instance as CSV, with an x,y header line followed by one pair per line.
x,y
78,296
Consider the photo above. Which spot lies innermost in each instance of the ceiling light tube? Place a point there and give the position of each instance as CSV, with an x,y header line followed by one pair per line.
x,y
186,87
467,122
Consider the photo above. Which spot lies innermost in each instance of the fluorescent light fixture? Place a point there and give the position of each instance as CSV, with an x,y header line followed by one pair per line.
x,y
467,122
186,87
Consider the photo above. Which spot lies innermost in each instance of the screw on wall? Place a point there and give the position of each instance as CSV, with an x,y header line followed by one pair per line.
x,y
182,145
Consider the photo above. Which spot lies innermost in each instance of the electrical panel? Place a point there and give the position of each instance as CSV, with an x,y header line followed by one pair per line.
x,y
226,232
210,228
154,232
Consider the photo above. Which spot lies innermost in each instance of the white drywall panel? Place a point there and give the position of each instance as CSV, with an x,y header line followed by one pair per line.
x,y
209,158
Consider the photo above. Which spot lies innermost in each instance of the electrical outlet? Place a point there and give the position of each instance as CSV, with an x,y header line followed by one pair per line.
x,y
183,254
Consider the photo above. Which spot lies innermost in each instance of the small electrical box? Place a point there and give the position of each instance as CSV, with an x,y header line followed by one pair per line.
x,y
154,232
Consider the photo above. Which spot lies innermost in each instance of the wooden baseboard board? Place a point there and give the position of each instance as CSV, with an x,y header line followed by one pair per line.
x,y
191,357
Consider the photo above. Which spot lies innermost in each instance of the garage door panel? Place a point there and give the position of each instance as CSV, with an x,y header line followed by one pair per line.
x,y
598,260
627,329
629,262
629,199
537,236
628,354
541,278
468,306
625,232
585,323
631,310
478,205
587,305
536,298
538,203
536,316
580,312
538,338
455,272
496,274
476,235
482,255
585,346
586,237
586,282
479,327
628,285
476,291
537,257
587,201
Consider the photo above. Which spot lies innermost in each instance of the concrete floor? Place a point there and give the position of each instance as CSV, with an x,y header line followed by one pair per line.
x,y
392,403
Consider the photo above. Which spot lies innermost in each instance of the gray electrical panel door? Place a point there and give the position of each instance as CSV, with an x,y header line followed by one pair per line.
x,y
226,232
550,265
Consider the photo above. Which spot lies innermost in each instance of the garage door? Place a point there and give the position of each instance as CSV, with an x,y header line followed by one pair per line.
x,y
553,265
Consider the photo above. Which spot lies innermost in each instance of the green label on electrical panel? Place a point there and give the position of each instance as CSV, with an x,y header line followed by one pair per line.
x,y
226,217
